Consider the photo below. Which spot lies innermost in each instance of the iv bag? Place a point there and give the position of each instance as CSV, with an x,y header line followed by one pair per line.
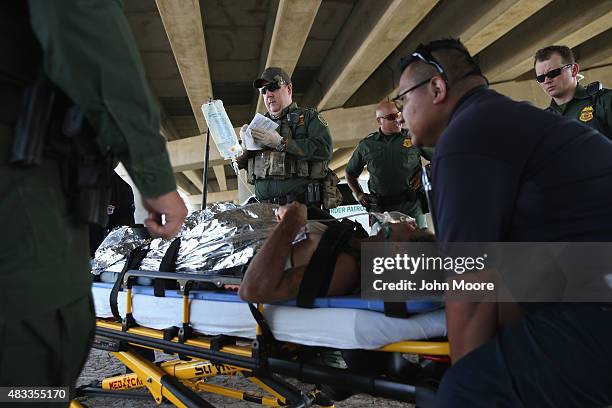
x,y
221,129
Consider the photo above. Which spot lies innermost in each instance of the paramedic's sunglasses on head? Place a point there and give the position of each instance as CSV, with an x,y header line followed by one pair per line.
x,y
391,116
271,87
552,73
421,54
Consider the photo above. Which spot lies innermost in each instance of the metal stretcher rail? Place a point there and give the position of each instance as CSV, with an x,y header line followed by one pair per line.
x,y
309,373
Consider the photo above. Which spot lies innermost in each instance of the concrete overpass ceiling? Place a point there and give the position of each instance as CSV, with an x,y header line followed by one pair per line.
x,y
235,34
344,60
331,17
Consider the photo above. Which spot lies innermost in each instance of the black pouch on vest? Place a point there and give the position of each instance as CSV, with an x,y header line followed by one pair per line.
x,y
33,120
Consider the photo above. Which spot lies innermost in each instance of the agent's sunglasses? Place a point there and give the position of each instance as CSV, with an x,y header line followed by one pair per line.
x,y
553,73
271,87
391,116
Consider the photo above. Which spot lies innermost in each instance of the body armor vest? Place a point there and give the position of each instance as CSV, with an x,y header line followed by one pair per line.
x,y
272,164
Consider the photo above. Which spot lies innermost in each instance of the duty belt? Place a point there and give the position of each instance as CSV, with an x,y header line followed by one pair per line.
x,y
406,196
310,197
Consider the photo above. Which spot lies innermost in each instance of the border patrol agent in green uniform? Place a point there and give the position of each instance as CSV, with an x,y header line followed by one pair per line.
x,y
81,53
557,73
294,164
394,165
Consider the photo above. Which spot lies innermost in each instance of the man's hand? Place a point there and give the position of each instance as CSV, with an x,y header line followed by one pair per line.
x,y
170,205
415,181
403,231
269,138
295,212
363,199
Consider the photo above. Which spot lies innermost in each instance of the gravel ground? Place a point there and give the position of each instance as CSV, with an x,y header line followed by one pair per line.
x,y
101,364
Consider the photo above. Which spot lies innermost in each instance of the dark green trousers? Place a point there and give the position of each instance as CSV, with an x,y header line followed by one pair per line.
x,y
46,315
47,350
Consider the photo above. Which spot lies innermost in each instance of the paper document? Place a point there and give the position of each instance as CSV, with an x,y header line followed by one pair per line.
x,y
260,122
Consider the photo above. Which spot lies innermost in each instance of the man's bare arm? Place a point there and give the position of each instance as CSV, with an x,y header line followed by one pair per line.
x,y
353,183
266,279
469,326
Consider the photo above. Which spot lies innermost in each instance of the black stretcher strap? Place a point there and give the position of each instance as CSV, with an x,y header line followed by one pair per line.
x,y
263,323
396,309
133,262
320,269
168,264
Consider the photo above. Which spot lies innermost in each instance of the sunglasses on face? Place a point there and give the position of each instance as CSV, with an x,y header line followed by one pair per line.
x,y
391,116
553,73
271,87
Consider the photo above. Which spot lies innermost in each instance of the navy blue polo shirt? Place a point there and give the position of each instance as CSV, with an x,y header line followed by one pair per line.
x,y
508,171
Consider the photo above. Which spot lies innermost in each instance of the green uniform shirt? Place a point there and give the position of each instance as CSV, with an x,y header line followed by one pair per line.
x,y
311,141
597,115
90,53
86,49
392,161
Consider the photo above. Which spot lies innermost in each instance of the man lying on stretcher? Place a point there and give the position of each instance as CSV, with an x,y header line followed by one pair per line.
x,y
324,264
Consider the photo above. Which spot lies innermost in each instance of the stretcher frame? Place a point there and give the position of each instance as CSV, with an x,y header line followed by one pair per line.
x,y
261,361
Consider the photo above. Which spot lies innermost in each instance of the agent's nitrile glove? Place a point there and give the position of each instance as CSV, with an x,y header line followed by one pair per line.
x,y
243,131
269,138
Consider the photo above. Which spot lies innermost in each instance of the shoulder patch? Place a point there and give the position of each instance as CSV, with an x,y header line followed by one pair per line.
x,y
586,114
407,143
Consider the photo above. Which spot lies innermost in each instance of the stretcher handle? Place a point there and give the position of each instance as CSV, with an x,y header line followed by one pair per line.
x,y
182,278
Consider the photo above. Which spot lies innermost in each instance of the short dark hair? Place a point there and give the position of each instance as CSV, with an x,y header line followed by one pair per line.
x,y
567,56
451,55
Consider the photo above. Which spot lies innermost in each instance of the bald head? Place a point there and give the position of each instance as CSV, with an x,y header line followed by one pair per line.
x,y
388,118
385,108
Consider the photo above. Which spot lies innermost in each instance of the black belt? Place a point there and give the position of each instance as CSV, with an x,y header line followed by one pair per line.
x,y
311,197
289,198
406,196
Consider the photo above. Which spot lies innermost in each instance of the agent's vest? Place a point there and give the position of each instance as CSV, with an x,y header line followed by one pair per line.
x,y
272,164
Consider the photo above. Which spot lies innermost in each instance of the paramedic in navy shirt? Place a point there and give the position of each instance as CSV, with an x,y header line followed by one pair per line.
x,y
507,171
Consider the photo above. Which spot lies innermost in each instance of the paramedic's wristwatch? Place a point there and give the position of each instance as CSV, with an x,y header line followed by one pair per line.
x,y
282,146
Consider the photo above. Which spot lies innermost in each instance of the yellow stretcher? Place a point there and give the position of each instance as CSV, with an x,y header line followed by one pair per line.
x,y
264,362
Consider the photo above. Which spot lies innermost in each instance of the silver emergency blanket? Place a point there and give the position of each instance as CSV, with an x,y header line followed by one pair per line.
x,y
114,250
218,237
391,217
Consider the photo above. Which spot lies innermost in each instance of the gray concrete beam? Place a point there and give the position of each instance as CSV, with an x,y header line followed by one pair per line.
x,y
574,23
368,37
183,24
294,19
499,20
448,19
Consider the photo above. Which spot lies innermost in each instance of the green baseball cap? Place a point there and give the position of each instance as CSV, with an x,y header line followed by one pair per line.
x,y
272,74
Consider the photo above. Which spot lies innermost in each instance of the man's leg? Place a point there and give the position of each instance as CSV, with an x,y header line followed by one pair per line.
x,y
558,356
47,350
